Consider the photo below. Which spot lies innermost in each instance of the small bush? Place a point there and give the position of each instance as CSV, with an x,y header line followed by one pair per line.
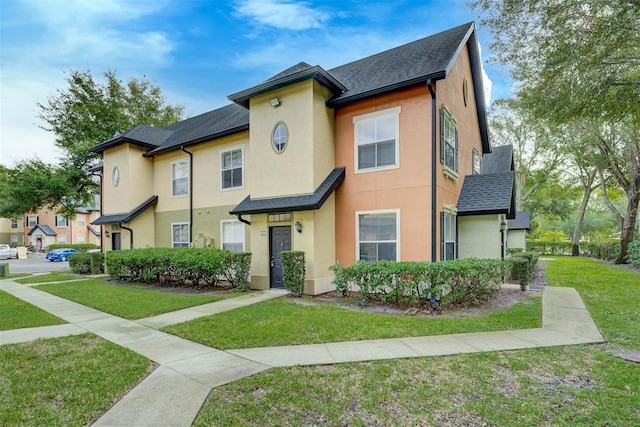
x,y
633,253
238,269
514,250
293,271
80,263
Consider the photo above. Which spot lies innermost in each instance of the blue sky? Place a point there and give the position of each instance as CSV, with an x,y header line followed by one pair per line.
x,y
196,51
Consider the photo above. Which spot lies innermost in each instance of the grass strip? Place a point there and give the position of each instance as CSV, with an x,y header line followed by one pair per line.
x,y
49,277
64,381
128,301
18,314
282,322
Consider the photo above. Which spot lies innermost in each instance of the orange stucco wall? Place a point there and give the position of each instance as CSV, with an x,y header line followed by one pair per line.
x,y
408,187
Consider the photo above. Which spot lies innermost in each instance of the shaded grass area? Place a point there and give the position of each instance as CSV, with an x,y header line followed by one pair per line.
x,y
65,381
18,314
128,301
283,322
49,277
572,385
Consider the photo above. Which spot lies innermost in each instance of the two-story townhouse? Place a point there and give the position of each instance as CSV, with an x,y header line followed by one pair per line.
x,y
12,231
368,160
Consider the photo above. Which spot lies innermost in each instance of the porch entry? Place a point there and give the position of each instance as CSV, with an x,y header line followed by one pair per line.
x,y
279,240
115,241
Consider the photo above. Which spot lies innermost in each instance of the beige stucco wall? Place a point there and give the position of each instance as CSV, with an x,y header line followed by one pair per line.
x,y
479,236
516,239
136,178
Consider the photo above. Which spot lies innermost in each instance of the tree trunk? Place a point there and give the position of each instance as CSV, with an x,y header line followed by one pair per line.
x,y
629,225
577,231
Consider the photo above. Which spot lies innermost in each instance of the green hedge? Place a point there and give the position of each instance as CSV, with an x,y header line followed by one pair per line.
x,y
180,266
293,271
82,247
523,264
633,253
87,262
456,282
602,250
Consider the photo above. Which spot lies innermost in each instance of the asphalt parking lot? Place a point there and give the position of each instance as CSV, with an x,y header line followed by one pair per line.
x,y
35,264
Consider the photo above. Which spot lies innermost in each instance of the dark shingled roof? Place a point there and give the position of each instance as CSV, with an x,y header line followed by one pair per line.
x,y
293,203
488,194
129,216
44,228
143,135
500,160
521,222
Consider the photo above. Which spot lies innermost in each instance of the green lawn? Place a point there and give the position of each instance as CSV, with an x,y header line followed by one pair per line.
x,y
66,381
561,386
128,301
49,277
17,314
284,322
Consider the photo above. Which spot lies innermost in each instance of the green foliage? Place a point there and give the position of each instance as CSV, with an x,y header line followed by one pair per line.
x,y
523,264
456,282
82,247
4,269
554,236
180,266
605,249
633,255
293,271
80,263
18,314
514,250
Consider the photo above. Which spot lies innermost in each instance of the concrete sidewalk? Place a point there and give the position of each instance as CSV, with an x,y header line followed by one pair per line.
x,y
174,393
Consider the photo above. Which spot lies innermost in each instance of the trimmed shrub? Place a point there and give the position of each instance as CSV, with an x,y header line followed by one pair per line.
x,y
80,263
81,247
457,282
523,264
97,262
633,253
293,271
180,266
514,250
603,249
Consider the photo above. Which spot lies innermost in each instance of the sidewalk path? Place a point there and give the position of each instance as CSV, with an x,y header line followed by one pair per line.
x,y
174,393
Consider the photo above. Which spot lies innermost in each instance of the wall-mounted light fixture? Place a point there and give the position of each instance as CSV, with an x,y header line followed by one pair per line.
x,y
503,226
298,226
106,233
274,102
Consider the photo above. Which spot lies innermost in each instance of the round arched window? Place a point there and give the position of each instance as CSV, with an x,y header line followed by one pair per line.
x,y
280,137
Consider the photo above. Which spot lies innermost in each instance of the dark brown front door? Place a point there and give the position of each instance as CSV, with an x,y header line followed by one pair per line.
x,y
279,240
115,241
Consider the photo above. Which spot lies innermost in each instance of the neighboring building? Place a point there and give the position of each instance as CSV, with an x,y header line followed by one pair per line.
x,y
12,231
363,161
49,228
518,228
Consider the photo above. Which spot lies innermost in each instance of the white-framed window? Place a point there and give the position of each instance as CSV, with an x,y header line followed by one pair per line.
x,y
448,140
80,221
378,235
80,238
32,220
376,140
232,168
232,235
61,221
477,162
62,239
448,231
180,178
14,240
280,137
14,223
180,235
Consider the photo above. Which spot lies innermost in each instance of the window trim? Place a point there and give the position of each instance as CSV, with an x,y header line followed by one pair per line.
x,y
453,212
37,220
228,221
186,161
379,211
286,134
14,223
242,167
393,111
12,238
78,218
446,115
172,241
65,220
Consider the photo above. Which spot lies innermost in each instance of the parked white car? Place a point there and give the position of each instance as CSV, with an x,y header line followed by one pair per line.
x,y
7,251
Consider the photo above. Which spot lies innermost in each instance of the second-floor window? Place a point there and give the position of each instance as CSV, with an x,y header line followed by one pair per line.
x,y
180,178
80,221
448,140
32,220
376,139
61,221
231,167
14,223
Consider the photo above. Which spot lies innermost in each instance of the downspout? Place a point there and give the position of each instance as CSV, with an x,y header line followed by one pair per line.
x,y
130,231
190,194
434,215
243,220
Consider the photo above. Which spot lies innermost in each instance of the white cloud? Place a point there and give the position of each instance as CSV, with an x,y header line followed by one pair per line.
x,y
283,14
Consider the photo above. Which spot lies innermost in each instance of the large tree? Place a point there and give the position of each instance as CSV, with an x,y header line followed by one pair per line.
x,y
82,115
578,61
